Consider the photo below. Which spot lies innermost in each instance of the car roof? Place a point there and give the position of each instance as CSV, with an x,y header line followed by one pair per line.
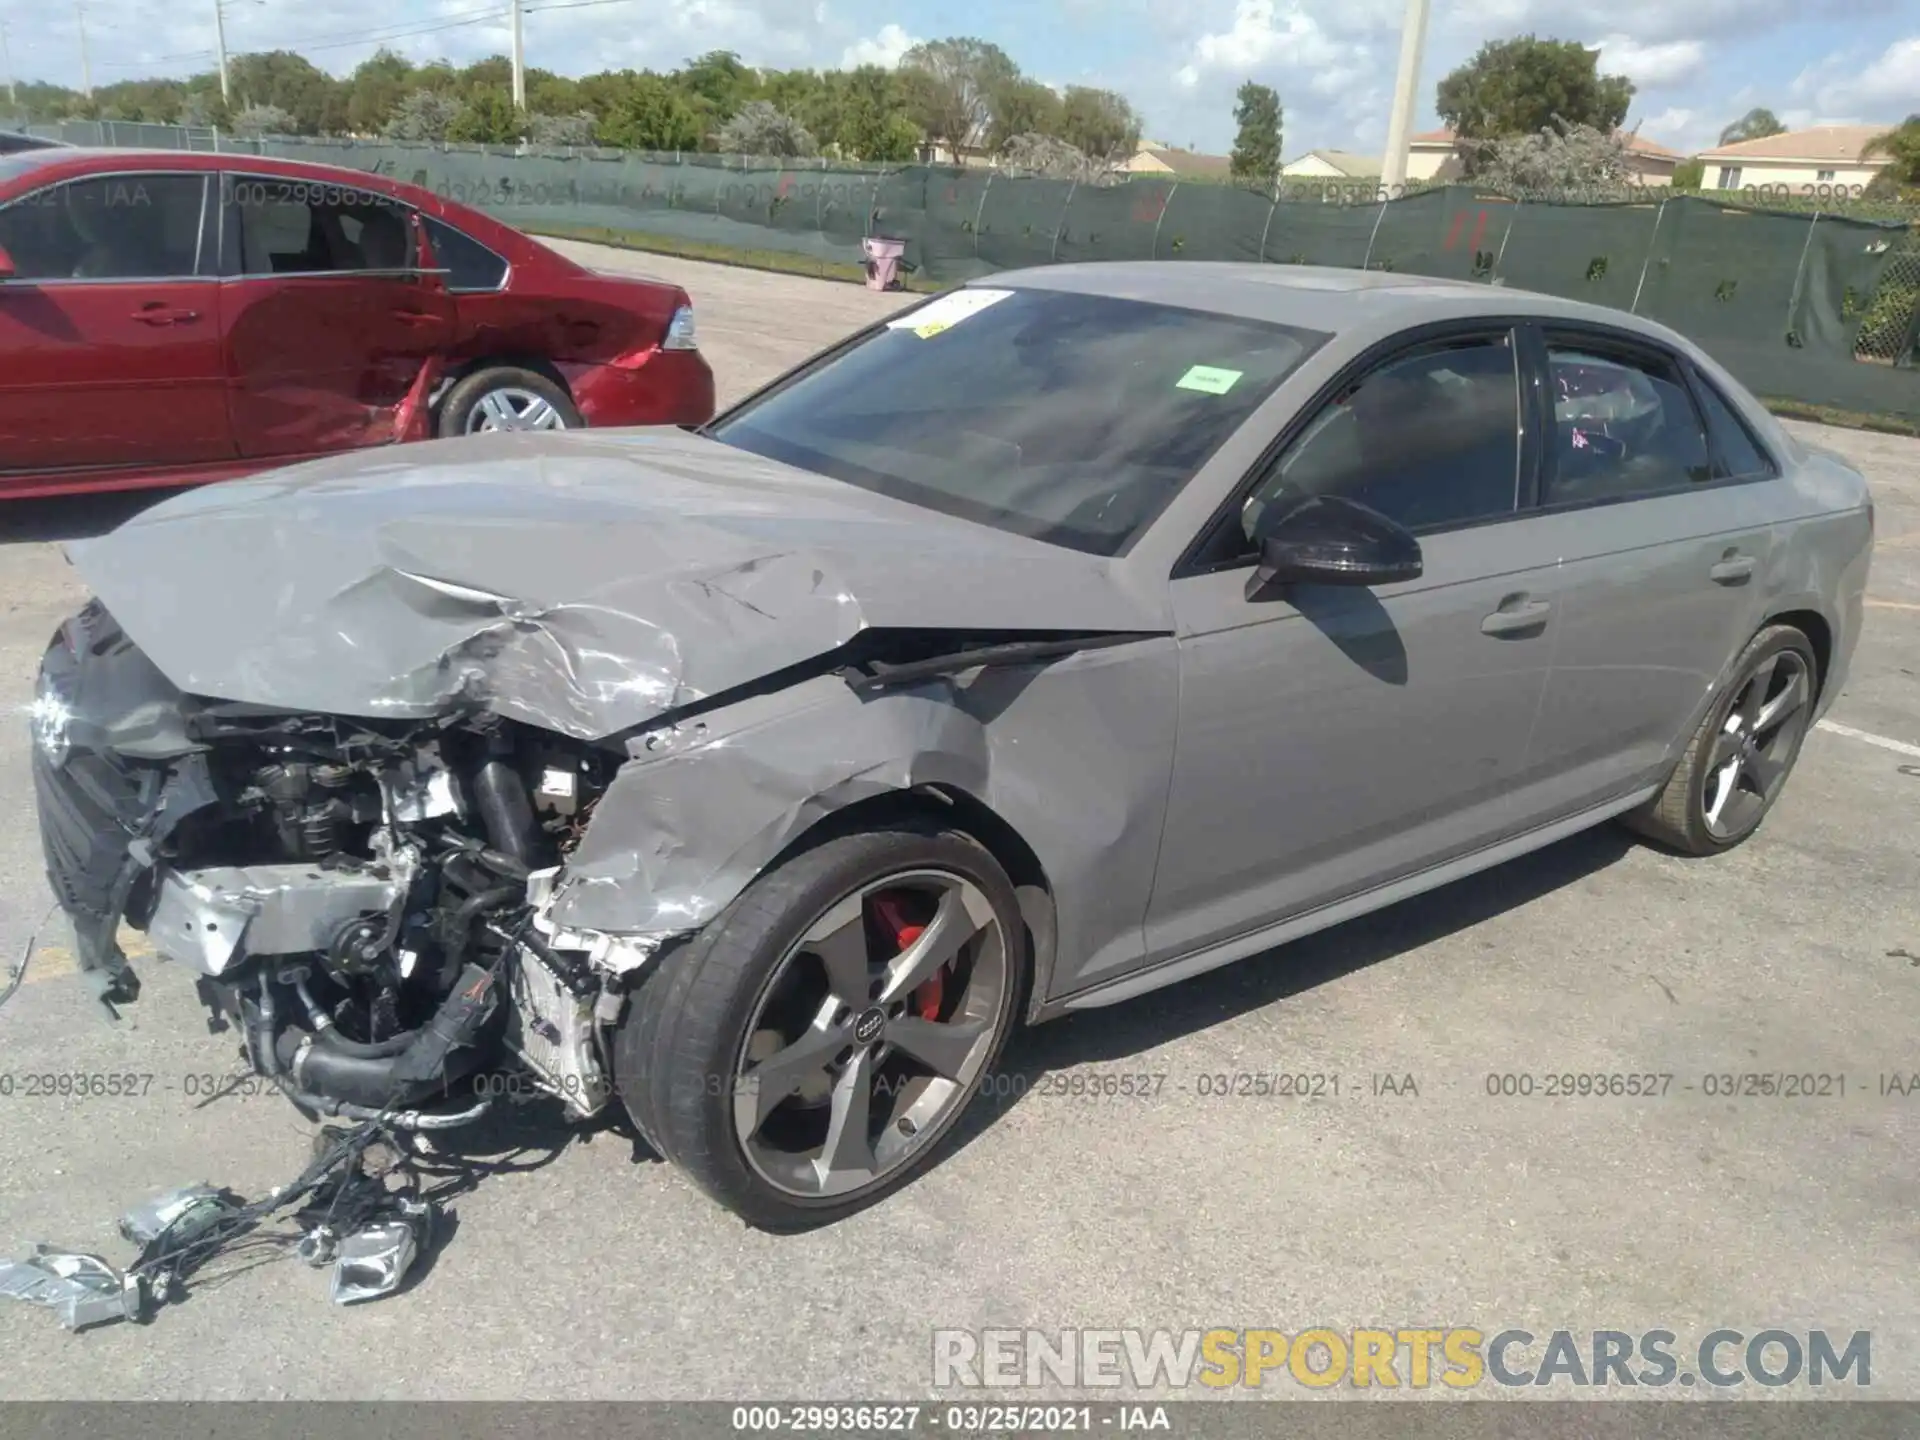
x,y
1310,297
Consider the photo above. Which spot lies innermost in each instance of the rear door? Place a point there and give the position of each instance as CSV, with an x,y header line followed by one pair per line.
x,y
1332,738
110,327
329,318
1666,530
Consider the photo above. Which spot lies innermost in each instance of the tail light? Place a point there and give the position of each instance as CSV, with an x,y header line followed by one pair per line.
x,y
680,331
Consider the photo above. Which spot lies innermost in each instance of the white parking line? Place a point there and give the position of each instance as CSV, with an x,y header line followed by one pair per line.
x,y
1899,747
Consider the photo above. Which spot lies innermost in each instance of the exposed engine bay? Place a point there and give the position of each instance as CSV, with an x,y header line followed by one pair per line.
x,y
363,901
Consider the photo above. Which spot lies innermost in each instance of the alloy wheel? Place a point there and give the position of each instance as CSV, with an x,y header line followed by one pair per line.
x,y
866,1042
511,408
1756,745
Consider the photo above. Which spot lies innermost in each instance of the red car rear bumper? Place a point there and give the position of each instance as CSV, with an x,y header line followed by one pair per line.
x,y
660,387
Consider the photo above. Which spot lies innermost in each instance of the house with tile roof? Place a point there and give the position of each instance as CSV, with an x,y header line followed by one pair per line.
x,y
1822,155
1435,155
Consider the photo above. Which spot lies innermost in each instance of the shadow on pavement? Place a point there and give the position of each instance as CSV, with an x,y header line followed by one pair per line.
x,y
73,517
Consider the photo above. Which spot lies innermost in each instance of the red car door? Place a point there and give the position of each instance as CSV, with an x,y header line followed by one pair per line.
x,y
110,328
329,319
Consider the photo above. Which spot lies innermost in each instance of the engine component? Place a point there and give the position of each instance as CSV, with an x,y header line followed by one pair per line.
x,y
421,788
311,805
401,1069
201,917
504,807
553,1030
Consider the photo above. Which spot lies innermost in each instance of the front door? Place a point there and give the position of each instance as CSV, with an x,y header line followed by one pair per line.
x,y
329,317
1332,738
110,328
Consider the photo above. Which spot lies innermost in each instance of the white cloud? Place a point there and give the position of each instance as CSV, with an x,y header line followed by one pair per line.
x,y
1263,31
1651,66
1892,83
886,48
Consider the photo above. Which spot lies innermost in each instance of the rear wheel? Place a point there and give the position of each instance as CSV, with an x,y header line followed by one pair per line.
x,y
809,1051
506,397
1739,759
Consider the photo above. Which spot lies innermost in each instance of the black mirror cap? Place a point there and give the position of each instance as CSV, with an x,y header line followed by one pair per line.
x,y
1330,540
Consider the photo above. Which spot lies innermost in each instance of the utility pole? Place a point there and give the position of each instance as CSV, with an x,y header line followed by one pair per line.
x,y
6,58
519,62
86,66
1413,42
220,47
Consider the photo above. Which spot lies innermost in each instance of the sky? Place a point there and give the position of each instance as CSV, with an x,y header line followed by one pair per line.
x,y
1699,64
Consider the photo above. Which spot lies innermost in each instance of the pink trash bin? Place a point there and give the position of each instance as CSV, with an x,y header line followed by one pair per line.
x,y
883,261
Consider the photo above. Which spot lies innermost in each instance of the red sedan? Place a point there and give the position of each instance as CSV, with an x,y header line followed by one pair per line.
x,y
168,318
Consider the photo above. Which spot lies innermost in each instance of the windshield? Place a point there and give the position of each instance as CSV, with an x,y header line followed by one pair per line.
x,y
1070,418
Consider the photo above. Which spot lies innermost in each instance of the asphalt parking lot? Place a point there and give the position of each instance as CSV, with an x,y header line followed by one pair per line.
x,y
583,1269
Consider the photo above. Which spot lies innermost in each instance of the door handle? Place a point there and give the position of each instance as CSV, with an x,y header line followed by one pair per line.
x,y
416,317
164,315
1516,616
1733,569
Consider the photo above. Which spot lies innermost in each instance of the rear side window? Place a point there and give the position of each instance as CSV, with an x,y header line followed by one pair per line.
x,y
1430,439
469,264
113,227
299,227
1624,425
1736,454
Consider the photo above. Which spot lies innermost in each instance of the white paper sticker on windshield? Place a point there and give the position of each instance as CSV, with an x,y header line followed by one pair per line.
x,y
948,311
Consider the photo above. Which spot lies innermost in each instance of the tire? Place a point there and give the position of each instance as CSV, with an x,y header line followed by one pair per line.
x,y
1684,816
703,1017
462,412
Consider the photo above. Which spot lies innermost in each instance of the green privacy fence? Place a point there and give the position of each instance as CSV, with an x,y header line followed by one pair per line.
x,y
1812,307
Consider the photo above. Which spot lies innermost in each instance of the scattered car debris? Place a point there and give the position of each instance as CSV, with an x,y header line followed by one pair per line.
x,y
366,1220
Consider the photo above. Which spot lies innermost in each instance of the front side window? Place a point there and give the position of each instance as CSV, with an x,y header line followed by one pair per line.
x,y
1430,439
296,227
1069,418
1623,426
111,227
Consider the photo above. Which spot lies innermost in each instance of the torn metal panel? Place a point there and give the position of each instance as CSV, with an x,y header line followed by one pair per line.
x,y
583,583
1072,755
82,1290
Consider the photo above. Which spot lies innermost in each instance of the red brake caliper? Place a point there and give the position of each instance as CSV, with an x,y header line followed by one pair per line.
x,y
927,997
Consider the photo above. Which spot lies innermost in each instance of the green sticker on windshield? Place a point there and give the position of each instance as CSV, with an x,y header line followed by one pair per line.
x,y
1208,380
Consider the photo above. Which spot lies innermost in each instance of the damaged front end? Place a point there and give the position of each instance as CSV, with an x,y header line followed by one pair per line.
x,y
362,900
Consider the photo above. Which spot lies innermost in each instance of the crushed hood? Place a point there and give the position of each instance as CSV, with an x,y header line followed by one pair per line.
x,y
584,583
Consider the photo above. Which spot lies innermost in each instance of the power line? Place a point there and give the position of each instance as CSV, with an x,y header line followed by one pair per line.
x,y
339,40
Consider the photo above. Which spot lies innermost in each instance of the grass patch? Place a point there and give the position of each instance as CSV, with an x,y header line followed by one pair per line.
x,y
784,262
1845,419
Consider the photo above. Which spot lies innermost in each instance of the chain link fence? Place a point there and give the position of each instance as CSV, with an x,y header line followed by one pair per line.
x,y
1803,303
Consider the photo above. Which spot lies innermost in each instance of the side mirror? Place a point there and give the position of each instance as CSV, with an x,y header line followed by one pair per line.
x,y
7,272
1327,540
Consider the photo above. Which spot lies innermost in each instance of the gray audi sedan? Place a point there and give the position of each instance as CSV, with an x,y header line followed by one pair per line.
x,y
1067,635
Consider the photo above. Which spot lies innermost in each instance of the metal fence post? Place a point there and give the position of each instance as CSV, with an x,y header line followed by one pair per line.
x,y
980,211
1267,229
1065,206
1800,273
1493,275
1367,263
1153,253
1653,240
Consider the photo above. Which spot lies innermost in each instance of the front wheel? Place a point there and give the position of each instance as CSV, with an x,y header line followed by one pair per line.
x,y
506,398
1739,759
810,1050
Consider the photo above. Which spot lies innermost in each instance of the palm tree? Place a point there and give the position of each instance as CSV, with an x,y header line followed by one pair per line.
x,y
1901,146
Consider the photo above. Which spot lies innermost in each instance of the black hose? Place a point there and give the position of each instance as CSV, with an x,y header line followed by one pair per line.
x,y
505,809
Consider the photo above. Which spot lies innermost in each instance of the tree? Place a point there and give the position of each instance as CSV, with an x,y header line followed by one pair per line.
x,y
1690,175
652,115
488,118
760,129
1256,148
315,100
557,130
1522,86
1102,125
422,115
258,120
1754,125
949,89
719,84
376,86
871,123
1559,158
1901,146
1018,106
